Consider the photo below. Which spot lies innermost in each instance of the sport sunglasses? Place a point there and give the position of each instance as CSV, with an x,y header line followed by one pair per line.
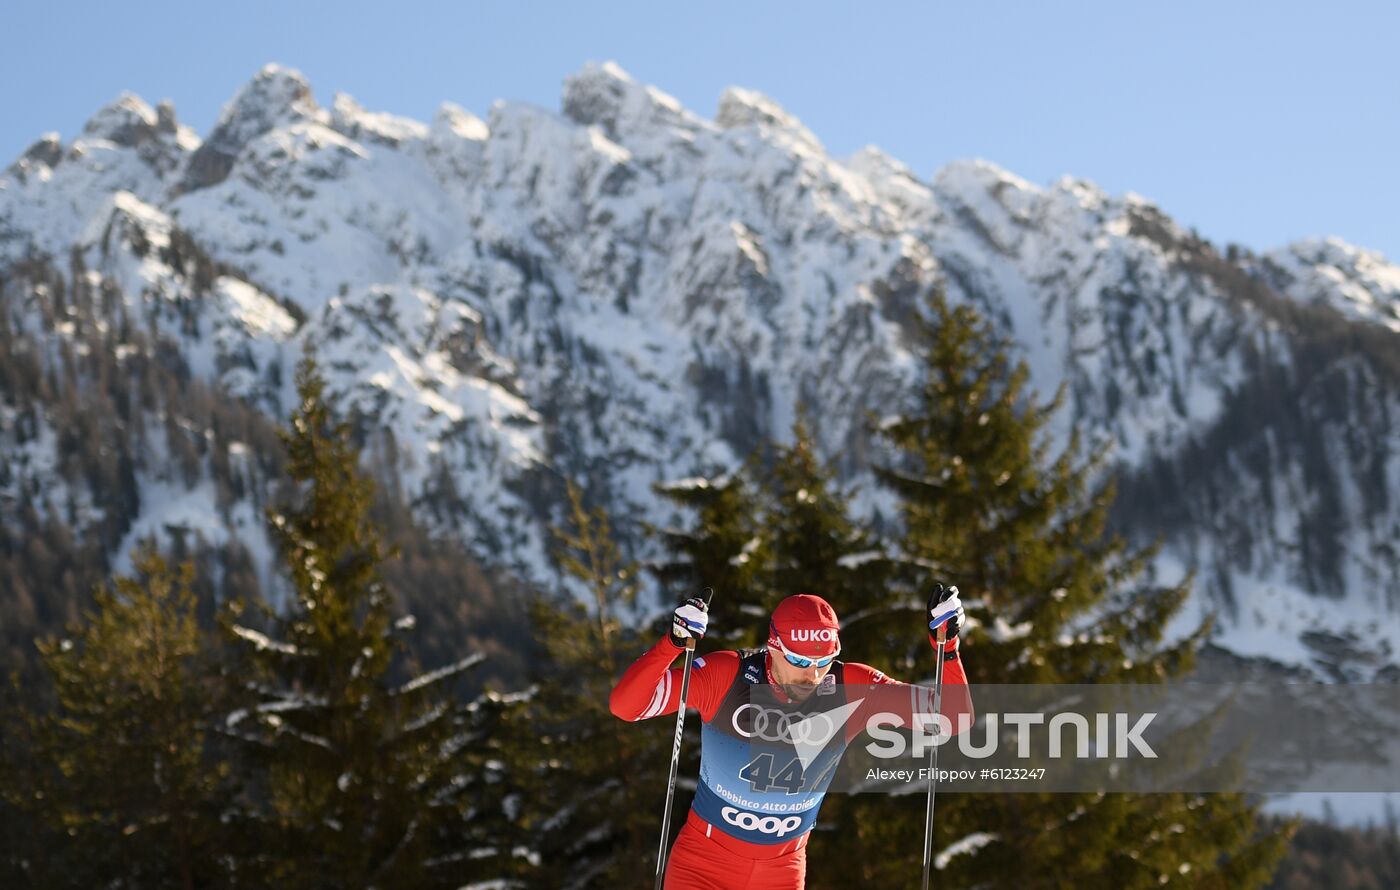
x,y
801,661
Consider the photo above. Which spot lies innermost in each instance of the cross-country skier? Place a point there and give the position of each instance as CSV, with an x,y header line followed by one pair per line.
x,y
754,809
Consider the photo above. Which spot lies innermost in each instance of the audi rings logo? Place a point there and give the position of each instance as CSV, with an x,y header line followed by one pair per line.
x,y
762,824
772,725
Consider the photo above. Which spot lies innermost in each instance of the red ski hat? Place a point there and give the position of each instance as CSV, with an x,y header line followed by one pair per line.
x,y
806,625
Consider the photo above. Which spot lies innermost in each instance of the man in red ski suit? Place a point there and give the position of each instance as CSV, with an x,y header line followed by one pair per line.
x,y
752,815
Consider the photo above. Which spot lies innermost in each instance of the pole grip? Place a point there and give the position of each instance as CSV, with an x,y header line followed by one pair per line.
x,y
707,594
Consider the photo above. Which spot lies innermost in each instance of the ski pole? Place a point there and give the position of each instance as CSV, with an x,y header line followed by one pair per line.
x,y
676,749
933,755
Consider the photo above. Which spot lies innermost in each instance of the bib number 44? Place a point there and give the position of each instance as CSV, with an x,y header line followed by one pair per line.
x,y
760,775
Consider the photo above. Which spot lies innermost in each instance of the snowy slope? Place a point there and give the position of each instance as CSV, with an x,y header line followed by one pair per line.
x,y
625,291
1358,283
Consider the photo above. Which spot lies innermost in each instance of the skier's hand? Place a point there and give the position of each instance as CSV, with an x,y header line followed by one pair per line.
x,y
689,620
945,607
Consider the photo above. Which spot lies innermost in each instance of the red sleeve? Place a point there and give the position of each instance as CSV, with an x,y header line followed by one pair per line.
x,y
651,687
904,700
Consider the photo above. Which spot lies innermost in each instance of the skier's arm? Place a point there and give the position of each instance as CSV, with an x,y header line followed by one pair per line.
x,y
905,701
651,687
884,695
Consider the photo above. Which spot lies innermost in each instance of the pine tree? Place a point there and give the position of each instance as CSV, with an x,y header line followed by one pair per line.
x,y
768,531
719,552
129,788
598,783
1053,598
360,782
812,545
986,506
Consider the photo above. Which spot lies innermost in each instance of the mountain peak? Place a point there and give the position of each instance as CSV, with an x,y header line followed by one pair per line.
x,y
38,158
978,173
1333,251
127,121
1086,192
1360,283
606,96
455,120
350,118
739,107
871,160
274,87
275,95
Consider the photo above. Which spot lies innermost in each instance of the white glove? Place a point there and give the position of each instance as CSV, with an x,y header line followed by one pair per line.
x,y
689,620
944,605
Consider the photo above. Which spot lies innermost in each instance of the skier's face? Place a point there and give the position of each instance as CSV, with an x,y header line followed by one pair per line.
x,y
798,683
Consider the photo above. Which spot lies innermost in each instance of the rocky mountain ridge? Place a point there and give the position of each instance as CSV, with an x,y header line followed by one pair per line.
x,y
624,292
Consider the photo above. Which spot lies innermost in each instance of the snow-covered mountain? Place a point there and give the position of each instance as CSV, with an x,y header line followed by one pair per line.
x,y
624,292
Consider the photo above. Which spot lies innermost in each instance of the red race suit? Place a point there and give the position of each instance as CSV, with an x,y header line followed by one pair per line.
x,y
756,803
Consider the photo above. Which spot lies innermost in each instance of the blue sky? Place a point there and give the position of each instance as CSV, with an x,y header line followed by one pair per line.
x,y
1256,123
